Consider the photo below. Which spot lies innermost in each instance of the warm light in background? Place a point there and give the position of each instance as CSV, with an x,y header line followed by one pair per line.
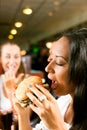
x,y
49,44
50,14
10,36
13,31
18,24
23,52
27,11
56,3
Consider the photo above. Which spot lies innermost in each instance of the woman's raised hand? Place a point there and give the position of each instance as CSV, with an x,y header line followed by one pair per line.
x,y
10,80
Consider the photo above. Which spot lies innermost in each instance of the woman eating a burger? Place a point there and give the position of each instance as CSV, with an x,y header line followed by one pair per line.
x,y
67,68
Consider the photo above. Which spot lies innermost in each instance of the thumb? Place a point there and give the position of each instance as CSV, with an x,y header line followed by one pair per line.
x,y
19,77
15,103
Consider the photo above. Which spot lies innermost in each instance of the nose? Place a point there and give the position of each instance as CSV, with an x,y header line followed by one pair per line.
x,y
11,60
49,67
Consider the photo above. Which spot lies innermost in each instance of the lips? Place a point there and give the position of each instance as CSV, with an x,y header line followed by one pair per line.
x,y
11,68
54,85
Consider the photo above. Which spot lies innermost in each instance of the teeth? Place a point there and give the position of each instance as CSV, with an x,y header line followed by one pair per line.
x,y
53,81
43,80
11,68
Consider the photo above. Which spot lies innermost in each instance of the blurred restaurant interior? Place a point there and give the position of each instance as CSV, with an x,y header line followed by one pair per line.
x,y
34,29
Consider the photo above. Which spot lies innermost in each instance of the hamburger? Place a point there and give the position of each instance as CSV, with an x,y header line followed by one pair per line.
x,y
23,87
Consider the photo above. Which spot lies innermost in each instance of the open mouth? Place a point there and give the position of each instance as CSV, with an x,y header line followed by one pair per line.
x,y
54,85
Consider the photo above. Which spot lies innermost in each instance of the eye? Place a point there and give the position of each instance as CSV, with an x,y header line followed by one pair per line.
x,y
60,64
60,61
17,56
8,57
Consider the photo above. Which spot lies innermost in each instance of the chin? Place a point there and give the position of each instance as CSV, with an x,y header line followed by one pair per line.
x,y
55,92
58,93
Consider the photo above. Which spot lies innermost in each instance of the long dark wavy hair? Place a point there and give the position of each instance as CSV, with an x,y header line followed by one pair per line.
x,y
78,76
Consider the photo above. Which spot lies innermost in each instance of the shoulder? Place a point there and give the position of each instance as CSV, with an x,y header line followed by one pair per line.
x,y
65,98
63,102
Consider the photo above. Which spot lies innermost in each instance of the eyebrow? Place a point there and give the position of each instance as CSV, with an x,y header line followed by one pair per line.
x,y
66,59
63,58
8,54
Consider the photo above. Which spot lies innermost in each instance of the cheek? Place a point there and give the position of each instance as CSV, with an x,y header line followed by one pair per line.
x,y
62,76
4,67
18,62
63,84
4,62
17,65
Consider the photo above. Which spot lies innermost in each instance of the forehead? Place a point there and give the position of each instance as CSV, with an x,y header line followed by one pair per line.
x,y
60,47
10,49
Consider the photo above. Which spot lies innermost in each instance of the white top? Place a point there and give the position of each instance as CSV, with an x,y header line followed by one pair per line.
x,y
5,104
63,103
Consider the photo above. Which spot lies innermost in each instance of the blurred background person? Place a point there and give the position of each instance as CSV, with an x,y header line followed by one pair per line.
x,y
10,59
11,62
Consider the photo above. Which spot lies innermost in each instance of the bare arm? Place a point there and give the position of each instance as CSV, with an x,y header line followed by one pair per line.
x,y
24,123
23,115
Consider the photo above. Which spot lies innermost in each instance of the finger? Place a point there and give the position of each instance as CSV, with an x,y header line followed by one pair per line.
x,y
40,95
35,91
34,108
40,91
41,101
19,77
15,102
9,75
34,99
45,92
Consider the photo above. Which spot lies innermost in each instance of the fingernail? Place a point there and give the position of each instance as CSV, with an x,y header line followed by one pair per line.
x,y
37,85
30,86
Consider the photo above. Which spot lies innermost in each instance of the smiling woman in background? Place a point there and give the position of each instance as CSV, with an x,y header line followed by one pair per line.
x,y
10,57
